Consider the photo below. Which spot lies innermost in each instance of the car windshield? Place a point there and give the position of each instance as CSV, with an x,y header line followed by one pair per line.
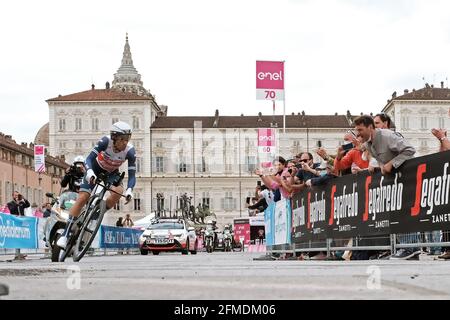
x,y
166,225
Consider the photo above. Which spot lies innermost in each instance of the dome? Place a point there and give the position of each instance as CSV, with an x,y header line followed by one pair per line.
x,y
42,137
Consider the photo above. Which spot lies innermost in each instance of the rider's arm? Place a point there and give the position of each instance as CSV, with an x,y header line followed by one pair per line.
x,y
131,157
102,144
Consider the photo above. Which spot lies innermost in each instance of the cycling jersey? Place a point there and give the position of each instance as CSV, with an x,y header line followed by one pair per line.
x,y
103,159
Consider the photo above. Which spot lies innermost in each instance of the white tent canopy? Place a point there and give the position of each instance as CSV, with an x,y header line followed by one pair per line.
x,y
144,222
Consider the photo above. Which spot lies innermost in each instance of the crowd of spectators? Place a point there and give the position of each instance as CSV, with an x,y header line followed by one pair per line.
x,y
372,146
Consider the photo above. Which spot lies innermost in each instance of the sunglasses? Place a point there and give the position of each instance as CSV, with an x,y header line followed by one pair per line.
x,y
304,160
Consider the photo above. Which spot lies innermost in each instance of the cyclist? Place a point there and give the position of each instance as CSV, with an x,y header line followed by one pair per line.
x,y
106,157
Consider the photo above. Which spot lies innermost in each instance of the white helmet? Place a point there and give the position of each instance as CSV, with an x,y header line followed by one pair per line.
x,y
78,159
120,128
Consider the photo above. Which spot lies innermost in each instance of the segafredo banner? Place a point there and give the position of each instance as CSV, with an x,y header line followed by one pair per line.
x,y
18,232
413,198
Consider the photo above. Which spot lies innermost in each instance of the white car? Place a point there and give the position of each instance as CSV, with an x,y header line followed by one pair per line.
x,y
168,235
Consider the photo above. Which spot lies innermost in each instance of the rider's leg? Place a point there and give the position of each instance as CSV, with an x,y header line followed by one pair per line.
x,y
113,197
83,198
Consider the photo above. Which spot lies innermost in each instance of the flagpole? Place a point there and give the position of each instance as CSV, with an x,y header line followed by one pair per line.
x,y
284,99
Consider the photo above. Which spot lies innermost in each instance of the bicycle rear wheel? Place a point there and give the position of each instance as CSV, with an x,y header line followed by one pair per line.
x,y
89,229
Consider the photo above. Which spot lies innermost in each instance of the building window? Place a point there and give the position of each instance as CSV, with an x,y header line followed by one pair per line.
x,y
182,166
202,167
135,122
159,144
114,120
1,192
405,123
206,199
78,144
62,145
159,164
62,124
137,202
441,123
228,203
138,165
423,122
95,124
78,124
423,143
251,163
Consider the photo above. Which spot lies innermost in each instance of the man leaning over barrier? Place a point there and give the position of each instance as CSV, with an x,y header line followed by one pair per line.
x,y
391,150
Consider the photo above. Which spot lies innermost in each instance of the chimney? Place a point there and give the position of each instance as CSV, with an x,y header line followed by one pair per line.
x,y
93,86
442,84
216,119
394,95
303,113
107,85
349,115
259,116
432,86
335,113
293,113
406,91
427,85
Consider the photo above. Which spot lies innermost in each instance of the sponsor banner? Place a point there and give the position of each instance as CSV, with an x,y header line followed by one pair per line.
x,y
267,147
18,232
269,223
414,198
270,80
282,222
242,231
39,158
116,238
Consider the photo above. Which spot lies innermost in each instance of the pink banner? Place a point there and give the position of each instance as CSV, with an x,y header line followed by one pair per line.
x,y
269,75
266,137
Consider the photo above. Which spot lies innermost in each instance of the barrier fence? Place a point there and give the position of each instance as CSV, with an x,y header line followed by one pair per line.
x,y
410,206
28,233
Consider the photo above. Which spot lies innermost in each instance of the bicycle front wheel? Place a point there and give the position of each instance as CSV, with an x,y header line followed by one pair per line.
x,y
89,229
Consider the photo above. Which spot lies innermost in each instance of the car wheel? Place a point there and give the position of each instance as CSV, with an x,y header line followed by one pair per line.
x,y
195,248
155,252
186,251
144,252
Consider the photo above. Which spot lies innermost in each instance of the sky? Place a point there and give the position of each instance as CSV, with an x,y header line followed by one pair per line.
x,y
199,56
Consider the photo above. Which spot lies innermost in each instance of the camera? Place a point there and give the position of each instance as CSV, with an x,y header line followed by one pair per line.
x,y
19,197
348,146
290,171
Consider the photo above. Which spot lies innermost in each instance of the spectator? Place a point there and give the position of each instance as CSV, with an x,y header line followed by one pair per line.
x,y
261,203
307,170
17,207
382,121
36,211
128,222
275,182
357,158
441,135
119,223
391,150
18,204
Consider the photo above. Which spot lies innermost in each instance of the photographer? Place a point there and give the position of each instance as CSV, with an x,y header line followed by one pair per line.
x,y
18,204
17,207
74,175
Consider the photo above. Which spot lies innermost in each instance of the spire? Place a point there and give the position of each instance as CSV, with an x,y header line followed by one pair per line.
x,y
127,77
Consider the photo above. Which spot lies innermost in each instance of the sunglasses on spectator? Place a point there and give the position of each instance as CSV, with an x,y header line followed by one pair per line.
x,y
304,160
